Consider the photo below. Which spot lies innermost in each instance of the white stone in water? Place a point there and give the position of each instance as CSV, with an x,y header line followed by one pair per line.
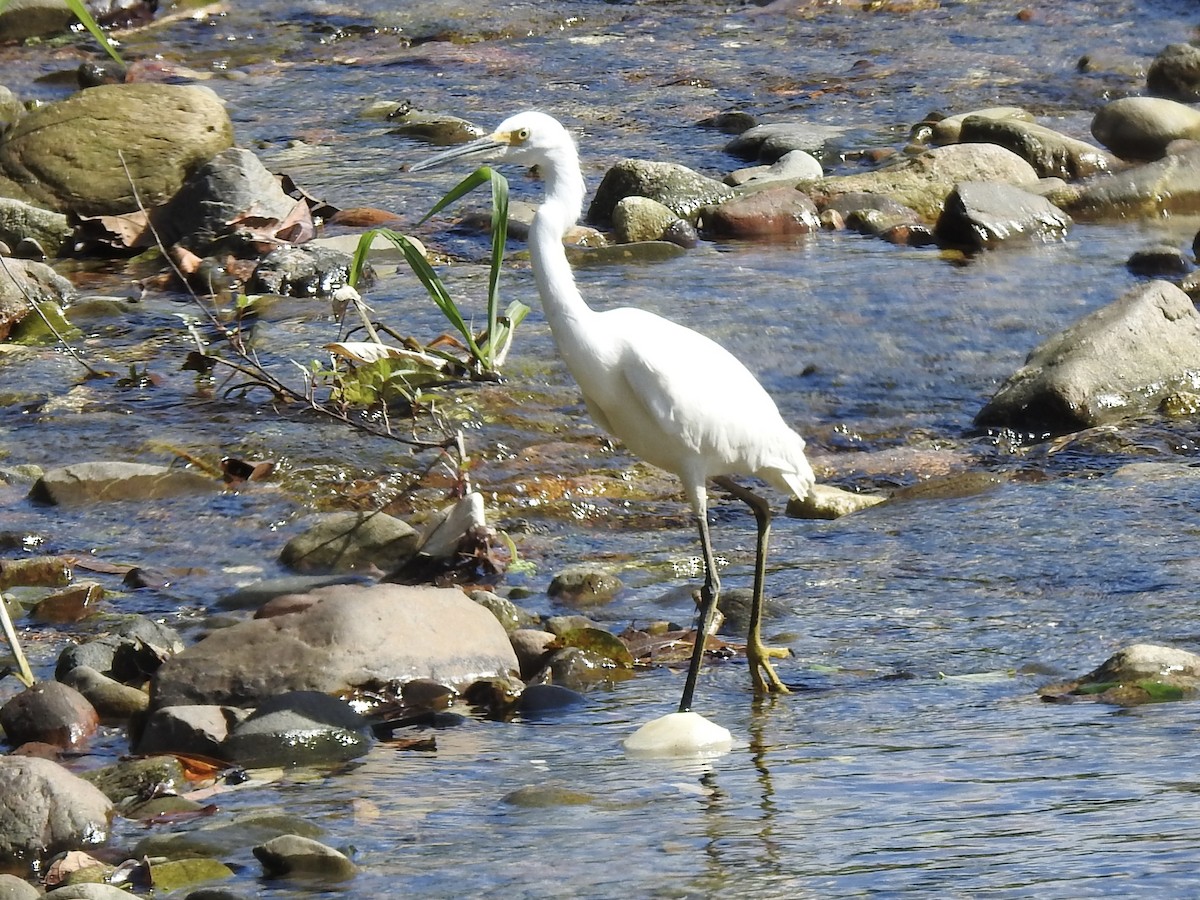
x,y
680,734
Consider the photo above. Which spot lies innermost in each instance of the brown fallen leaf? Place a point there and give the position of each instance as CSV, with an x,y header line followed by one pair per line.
x,y
239,471
70,863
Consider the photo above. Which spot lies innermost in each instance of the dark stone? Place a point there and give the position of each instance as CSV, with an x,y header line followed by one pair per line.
x,y
983,214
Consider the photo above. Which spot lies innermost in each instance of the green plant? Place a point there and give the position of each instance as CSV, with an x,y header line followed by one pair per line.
x,y
488,349
85,18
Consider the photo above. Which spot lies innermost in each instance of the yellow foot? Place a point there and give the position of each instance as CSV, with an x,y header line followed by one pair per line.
x,y
761,671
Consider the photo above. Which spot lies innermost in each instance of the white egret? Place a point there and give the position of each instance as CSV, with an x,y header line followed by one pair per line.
x,y
674,397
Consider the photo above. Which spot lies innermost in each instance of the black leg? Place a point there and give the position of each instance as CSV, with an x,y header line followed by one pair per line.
x,y
708,606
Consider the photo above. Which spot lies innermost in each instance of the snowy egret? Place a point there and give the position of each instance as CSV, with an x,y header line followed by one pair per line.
x,y
674,397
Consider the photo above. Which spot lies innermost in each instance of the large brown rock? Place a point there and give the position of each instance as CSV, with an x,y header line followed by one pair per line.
x,y
353,636
67,156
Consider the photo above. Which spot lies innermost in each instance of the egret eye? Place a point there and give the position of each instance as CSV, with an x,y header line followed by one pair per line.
x,y
522,135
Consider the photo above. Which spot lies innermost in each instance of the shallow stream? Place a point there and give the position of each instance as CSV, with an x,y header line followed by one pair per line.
x,y
914,755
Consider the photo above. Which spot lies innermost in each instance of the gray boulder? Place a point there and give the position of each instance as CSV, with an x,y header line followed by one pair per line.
x,y
299,728
1142,127
1121,360
980,214
1137,674
47,809
949,129
14,888
770,142
1051,153
1175,73
348,541
301,271
49,713
353,636
24,282
22,221
292,854
66,156
231,188
674,186
1166,186
924,182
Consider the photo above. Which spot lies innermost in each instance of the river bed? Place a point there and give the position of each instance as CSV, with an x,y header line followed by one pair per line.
x,y
914,755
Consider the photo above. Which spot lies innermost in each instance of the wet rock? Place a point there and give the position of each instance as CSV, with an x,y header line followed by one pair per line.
x,y
507,613
794,166
681,233
583,586
96,482
303,271
299,728
774,212
224,840
979,215
1168,185
1160,260
133,781
560,625
1143,127
625,254
532,647
547,796
22,221
25,282
438,129
735,604
71,604
130,654
1140,673
346,541
47,809
674,186
924,182
579,669
22,19
194,730
1175,73
14,888
1051,153
175,874
825,501
641,219
215,202
64,156
112,700
51,713
541,699
770,142
949,129
292,855
1119,361
354,636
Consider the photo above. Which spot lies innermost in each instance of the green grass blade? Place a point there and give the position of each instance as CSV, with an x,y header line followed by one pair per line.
x,y
482,175
499,238
85,17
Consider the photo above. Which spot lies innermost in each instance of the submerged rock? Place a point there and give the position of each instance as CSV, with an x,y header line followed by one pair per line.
x,y
354,636
102,481
1121,360
583,586
1139,673
292,854
301,271
299,728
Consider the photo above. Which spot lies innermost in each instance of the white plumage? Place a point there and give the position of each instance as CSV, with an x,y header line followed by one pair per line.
x,y
674,397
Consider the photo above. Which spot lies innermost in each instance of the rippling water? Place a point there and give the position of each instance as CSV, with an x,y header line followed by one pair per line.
x,y
915,755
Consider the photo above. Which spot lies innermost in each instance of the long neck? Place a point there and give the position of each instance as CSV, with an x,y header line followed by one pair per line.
x,y
563,305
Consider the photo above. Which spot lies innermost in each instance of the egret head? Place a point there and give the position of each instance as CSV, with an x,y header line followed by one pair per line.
x,y
526,139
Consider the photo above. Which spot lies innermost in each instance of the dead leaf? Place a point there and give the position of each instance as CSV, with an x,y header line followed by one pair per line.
x,y
70,863
363,217
239,471
129,231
